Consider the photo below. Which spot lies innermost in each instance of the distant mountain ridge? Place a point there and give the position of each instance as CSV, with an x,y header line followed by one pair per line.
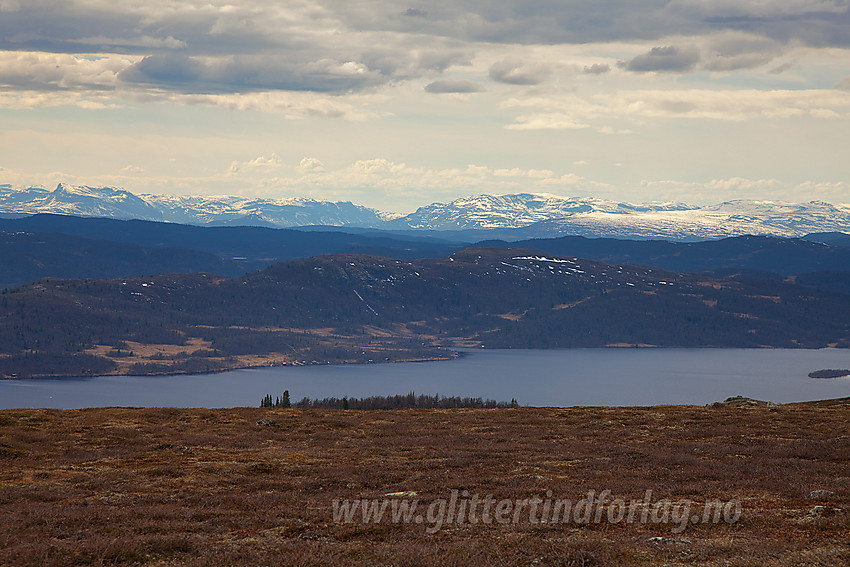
x,y
516,211
121,204
48,245
510,217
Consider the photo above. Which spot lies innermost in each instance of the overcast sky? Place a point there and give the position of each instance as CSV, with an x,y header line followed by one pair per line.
x,y
399,104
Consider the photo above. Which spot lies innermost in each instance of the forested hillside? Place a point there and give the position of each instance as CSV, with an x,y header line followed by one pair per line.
x,y
366,308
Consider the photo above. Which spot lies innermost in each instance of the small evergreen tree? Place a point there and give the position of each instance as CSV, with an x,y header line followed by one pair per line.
x,y
276,402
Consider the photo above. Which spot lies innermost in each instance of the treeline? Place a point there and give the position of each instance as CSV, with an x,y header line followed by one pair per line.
x,y
34,364
402,401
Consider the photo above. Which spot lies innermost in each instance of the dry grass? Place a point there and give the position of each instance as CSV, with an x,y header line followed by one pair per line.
x,y
212,487
358,347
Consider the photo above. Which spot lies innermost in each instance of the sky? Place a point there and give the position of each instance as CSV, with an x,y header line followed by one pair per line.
x,y
397,104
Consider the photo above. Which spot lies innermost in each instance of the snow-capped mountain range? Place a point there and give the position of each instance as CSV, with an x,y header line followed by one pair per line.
x,y
121,204
523,215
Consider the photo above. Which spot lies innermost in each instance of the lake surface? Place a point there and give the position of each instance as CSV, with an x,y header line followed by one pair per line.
x,y
568,377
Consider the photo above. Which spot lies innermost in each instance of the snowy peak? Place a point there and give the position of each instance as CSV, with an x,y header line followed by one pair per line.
x,y
264,212
80,200
520,210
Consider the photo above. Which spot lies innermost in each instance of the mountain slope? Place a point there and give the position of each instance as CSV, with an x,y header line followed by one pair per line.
x,y
27,256
831,238
251,248
753,253
362,307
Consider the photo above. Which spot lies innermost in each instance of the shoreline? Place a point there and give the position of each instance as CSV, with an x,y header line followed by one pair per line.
x,y
455,352
454,355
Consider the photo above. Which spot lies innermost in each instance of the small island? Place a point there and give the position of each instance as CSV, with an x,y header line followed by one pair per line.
x,y
829,373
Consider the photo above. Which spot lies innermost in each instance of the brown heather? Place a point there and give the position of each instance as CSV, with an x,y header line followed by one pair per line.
x,y
212,487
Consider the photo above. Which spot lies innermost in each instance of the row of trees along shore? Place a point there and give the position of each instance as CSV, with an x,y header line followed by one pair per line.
x,y
402,401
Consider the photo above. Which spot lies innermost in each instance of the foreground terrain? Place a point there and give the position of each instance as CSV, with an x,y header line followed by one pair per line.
x,y
255,486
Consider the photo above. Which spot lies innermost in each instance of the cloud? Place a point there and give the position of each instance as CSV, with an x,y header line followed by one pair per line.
x,y
341,47
812,22
638,105
731,51
291,105
742,104
311,164
596,69
515,72
200,75
415,13
746,188
143,41
452,86
779,69
843,84
261,163
393,185
251,26
664,59
192,46
722,52
132,170
547,121
529,173
28,71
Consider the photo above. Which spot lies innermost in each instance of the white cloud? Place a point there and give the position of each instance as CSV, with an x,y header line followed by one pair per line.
x,y
596,69
530,173
717,190
261,163
727,104
452,87
515,72
132,170
33,71
730,105
292,105
547,121
42,99
311,164
397,186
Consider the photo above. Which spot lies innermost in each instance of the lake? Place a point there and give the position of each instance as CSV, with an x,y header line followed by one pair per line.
x,y
566,377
